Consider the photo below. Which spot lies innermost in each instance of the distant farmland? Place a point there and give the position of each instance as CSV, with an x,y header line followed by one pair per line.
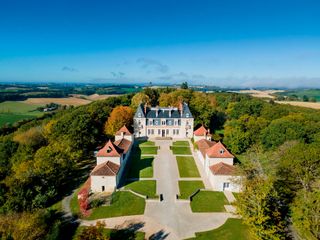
x,y
11,112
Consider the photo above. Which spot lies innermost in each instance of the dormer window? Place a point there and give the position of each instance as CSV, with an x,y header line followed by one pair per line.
x,y
139,114
109,149
187,115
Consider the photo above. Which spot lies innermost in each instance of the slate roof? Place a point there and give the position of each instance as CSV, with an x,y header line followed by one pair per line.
x,y
106,169
110,150
124,144
204,145
163,112
222,169
219,151
123,130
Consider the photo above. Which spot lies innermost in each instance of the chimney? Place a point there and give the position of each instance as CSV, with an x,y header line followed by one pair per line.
x,y
145,108
181,108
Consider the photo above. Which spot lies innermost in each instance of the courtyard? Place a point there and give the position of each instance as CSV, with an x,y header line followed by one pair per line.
x,y
169,193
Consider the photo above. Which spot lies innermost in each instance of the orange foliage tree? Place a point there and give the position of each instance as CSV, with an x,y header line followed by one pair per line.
x,y
119,116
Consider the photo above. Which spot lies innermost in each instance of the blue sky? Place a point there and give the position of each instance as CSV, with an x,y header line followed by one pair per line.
x,y
224,43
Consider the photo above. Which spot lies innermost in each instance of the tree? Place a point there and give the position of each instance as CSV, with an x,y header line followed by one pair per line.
x,y
119,116
138,99
93,232
153,95
259,206
305,214
184,85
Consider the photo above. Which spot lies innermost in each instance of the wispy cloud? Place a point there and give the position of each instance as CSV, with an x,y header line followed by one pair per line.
x,y
69,69
117,74
151,64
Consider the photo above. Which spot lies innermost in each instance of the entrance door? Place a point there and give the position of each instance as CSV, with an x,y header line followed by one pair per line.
x,y
102,189
163,133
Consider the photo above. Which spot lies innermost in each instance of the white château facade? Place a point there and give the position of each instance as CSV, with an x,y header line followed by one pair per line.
x,y
174,122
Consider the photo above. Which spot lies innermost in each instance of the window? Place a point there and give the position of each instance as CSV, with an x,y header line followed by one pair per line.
x,y
167,131
187,115
102,188
221,151
150,122
148,131
174,132
177,131
159,131
163,122
152,131
226,185
139,114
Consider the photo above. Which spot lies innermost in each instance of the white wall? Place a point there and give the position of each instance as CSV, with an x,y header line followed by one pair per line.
x,y
128,137
115,160
200,156
109,182
218,180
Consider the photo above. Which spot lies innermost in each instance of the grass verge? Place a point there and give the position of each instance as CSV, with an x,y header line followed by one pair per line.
x,y
187,167
209,201
189,187
181,143
144,187
181,150
140,167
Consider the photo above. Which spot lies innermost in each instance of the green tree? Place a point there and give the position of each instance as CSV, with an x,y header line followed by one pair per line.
x,y
138,99
184,85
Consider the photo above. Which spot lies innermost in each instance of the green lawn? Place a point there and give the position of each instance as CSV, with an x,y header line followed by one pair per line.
x,y
149,150
115,234
189,187
11,112
181,150
74,205
140,167
187,167
233,229
144,187
181,143
209,201
123,204
148,143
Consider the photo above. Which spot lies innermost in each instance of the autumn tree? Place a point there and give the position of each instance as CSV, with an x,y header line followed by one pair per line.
x,y
139,98
93,232
119,116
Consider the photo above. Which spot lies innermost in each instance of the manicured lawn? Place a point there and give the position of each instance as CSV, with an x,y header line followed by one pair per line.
x,y
181,150
187,167
233,229
209,201
181,143
149,150
74,205
189,187
144,187
140,167
115,234
148,143
123,204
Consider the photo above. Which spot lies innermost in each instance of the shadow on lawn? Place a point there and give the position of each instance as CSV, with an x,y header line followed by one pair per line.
x,y
129,232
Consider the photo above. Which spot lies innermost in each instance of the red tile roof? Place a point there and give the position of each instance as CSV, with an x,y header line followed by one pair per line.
x,y
124,144
200,131
123,130
110,150
204,145
106,169
222,169
218,151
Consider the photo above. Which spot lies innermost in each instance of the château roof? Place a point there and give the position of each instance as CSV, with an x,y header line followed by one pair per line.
x,y
110,150
222,169
201,131
106,169
123,130
163,112
218,150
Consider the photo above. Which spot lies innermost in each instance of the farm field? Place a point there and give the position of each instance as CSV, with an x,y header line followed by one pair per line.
x,y
11,111
314,105
62,101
